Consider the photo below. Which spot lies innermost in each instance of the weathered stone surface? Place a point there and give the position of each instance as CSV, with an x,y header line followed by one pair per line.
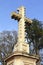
x,y
19,58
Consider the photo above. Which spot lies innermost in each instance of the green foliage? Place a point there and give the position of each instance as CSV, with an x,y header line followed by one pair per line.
x,y
34,34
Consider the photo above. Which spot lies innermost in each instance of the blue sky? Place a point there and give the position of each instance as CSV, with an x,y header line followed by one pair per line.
x,y
34,9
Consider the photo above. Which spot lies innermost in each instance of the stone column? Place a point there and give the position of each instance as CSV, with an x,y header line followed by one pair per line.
x,y
21,26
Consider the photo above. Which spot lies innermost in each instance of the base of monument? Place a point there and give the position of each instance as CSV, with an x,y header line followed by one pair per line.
x,y
20,58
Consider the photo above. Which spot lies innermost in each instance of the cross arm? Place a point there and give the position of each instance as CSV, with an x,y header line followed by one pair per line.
x,y
28,20
15,16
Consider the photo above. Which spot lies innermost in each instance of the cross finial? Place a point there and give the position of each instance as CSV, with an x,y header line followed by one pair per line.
x,y
20,16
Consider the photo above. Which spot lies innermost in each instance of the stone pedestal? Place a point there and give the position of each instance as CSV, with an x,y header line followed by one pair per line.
x,y
20,58
21,47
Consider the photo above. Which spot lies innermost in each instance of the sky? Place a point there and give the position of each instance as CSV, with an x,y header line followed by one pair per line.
x,y
34,9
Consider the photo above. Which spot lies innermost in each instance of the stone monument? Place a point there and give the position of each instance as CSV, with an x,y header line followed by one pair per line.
x,y
21,54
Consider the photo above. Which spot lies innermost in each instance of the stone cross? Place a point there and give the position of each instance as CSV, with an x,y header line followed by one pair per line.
x,y
20,16
21,54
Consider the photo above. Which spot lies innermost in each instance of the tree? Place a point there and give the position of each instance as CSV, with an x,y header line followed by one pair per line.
x,y
7,41
34,34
